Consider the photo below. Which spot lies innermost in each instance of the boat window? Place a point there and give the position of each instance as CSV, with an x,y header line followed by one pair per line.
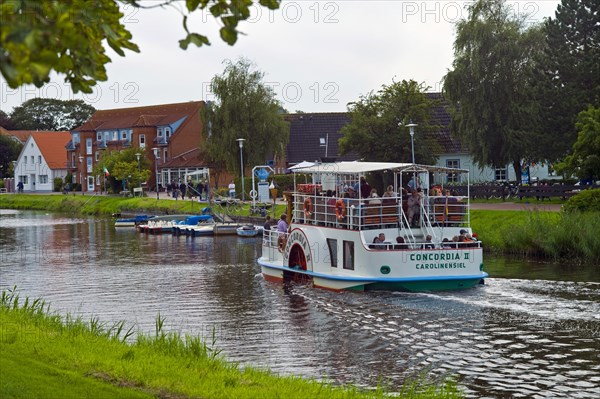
x,y
332,244
349,255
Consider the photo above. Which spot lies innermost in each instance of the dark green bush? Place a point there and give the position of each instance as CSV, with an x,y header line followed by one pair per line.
x,y
586,201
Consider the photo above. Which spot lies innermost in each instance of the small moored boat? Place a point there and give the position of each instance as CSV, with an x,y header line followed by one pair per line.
x,y
248,231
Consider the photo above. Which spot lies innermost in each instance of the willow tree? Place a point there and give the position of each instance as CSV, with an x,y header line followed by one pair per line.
x,y
377,130
244,107
490,87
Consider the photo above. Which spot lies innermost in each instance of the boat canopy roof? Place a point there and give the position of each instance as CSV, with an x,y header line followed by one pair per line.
x,y
357,167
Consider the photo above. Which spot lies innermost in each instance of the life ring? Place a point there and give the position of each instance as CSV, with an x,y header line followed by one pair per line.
x,y
340,209
307,208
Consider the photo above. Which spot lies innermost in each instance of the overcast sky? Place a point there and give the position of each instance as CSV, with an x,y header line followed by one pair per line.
x,y
317,55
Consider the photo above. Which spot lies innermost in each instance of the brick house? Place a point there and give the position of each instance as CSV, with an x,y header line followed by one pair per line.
x,y
169,130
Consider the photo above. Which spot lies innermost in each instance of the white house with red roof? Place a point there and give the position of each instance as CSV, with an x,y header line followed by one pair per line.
x,y
42,159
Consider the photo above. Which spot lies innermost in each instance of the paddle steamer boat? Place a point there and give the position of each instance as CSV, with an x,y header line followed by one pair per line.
x,y
331,244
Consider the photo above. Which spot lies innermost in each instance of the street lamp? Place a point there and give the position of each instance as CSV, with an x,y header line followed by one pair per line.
x,y
81,172
241,142
14,185
411,127
155,149
138,155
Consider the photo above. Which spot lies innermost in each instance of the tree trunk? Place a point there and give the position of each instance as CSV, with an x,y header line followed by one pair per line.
x,y
517,167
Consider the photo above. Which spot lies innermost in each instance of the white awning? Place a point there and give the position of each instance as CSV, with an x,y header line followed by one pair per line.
x,y
366,167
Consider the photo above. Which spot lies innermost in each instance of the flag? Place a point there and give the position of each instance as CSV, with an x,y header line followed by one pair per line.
x,y
105,171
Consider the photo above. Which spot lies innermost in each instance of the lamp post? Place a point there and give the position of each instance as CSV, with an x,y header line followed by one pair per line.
x,y
155,149
138,155
14,185
241,142
411,127
81,172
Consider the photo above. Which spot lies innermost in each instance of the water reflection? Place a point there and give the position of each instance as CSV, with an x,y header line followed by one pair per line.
x,y
512,337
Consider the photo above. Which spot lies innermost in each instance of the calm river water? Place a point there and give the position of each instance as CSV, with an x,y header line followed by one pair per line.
x,y
537,335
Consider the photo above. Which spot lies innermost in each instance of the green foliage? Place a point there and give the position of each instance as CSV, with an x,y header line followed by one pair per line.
x,y
245,107
9,151
51,114
5,121
123,165
39,37
584,161
374,131
58,184
490,86
586,201
556,235
568,74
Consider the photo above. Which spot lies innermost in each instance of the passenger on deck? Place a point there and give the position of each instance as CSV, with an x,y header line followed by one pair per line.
x,y
428,244
389,192
380,239
414,206
374,198
365,188
400,243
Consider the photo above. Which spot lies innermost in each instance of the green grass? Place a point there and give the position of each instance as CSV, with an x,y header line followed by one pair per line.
x,y
556,235
108,205
46,356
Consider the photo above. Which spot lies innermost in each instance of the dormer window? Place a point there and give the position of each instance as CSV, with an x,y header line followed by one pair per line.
x,y
322,142
160,132
99,136
167,132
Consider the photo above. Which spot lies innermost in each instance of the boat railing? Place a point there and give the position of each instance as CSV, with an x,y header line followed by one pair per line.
x,y
450,211
371,213
274,239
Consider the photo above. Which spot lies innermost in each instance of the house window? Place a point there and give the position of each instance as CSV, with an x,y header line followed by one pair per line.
x,y
160,132
32,160
452,177
88,146
167,132
165,155
142,141
89,164
124,135
99,136
24,179
43,179
97,156
349,255
322,142
332,244
25,160
75,138
40,159
501,174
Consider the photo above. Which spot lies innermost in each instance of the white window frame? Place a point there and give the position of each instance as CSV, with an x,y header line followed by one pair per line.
x,y
142,140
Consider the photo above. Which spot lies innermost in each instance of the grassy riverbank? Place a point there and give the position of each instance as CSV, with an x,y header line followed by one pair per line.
x,y
46,356
555,235
109,205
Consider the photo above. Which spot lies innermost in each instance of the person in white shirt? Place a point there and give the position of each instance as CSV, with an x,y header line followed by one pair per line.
x,y
232,189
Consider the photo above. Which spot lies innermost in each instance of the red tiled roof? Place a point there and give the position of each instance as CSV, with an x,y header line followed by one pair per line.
x,y
21,135
191,158
154,115
52,147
